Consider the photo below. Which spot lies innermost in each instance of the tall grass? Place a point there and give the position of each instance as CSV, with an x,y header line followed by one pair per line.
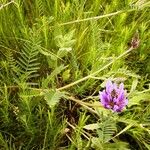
x,y
55,58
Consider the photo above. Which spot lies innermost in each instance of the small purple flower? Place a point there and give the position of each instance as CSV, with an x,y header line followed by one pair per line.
x,y
113,97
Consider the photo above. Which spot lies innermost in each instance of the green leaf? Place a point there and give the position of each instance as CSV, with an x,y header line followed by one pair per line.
x,y
107,128
96,143
63,51
91,126
52,97
135,100
66,75
101,110
52,76
48,53
116,146
134,85
65,41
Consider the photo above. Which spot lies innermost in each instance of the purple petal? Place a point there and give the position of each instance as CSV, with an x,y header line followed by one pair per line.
x,y
104,98
121,96
123,103
109,86
114,97
108,106
115,86
119,110
121,86
116,108
126,101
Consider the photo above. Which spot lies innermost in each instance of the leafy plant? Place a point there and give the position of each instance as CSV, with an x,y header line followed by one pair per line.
x,y
55,57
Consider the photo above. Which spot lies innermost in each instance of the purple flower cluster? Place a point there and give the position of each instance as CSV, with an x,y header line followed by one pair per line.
x,y
114,97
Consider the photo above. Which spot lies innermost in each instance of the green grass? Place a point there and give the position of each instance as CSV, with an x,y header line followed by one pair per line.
x,y
55,56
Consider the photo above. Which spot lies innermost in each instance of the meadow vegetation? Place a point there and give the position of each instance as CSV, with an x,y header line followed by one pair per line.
x,y
55,57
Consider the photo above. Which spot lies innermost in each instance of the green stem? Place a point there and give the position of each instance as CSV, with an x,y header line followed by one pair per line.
x,y
96,72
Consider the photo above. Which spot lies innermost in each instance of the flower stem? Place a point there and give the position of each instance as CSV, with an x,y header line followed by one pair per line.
x,y
96,72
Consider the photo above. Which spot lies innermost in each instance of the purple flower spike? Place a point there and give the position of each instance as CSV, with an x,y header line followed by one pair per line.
x,y
114,97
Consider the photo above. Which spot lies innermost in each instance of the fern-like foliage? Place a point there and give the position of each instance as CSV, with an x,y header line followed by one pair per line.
x,y
107,130
8,67
10,59
28,59
40,8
